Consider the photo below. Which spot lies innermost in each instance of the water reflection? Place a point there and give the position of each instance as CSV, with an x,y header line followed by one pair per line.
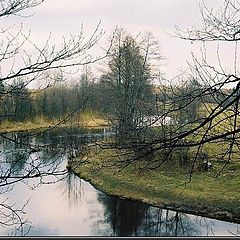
x,y
124,216
27,154
128,218
74,207
71,189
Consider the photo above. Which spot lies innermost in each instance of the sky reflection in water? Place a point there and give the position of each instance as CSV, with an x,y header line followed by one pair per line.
x,y
72,207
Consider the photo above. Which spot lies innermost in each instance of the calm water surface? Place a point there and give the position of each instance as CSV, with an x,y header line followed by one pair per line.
x,y
73,207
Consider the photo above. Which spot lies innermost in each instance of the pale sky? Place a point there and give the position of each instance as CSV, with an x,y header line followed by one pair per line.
x,y
160,17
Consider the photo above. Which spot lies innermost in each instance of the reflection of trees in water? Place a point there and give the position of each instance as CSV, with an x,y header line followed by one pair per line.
x,y
69,138
212,227
47,156
15,155
128,218
235,233
161,222
17,158
20,163
71,189
124,216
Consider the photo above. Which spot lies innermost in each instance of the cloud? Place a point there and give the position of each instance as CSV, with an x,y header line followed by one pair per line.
x,y
62,17
115,12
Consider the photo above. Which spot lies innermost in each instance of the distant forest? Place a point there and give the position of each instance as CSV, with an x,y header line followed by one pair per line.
x,y
92,95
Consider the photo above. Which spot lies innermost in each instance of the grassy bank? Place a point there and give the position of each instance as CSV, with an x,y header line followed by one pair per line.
x,y
86,120
167,187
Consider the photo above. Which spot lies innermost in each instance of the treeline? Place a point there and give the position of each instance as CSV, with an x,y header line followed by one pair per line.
x,y
125,91
91,94
18,103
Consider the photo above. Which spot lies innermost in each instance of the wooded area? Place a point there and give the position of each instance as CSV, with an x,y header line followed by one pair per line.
x,y
202,108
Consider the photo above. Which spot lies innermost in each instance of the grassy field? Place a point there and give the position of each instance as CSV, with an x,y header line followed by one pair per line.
x,y
86,120
208,193
168,186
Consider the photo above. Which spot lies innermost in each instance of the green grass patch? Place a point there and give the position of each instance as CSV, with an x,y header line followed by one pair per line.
x,y
168,187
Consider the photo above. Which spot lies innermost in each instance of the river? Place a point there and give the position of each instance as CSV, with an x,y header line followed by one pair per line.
x,y
70,206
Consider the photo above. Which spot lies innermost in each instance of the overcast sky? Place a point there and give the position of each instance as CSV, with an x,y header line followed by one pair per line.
x,y
157,16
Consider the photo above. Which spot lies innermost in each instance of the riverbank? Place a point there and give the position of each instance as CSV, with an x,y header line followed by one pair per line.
x,y
204,195
85,120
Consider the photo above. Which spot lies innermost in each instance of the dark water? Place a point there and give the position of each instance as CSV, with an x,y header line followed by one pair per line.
x,y
72,207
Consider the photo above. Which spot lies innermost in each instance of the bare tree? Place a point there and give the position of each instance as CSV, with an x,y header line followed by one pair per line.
x,y
218,25
26,66
217,122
